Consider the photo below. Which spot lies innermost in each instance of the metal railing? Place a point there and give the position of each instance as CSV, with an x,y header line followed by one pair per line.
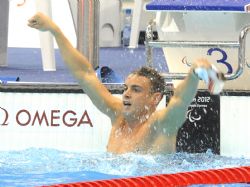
x,y
4,17
85,14
150,43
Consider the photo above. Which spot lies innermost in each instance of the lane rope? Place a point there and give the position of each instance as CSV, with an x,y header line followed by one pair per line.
x,y
212,176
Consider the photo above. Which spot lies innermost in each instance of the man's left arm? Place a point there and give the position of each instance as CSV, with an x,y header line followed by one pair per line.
x,y
173,116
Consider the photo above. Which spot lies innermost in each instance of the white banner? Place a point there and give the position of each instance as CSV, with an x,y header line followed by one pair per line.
x,y
53,120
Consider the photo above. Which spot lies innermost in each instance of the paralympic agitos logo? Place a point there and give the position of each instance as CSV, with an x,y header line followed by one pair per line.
x,y
53,118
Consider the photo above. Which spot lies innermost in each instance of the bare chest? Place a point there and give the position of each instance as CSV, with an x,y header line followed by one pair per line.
x,y
124,140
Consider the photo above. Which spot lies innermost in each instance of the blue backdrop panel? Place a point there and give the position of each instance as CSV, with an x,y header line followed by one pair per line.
x,y
199,5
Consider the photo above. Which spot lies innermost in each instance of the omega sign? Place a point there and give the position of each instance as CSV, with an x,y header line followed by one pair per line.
x,y
53,118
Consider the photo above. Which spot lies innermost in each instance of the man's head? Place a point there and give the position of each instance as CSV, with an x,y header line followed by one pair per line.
x,y
143,91
156,80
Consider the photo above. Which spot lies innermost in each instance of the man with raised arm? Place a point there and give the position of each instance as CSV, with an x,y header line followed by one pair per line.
x,y
136,124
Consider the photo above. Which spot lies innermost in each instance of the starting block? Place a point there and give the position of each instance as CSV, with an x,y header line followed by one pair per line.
x,y
212,29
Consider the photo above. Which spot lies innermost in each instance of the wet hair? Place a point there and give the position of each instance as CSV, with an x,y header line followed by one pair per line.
x,y
156,80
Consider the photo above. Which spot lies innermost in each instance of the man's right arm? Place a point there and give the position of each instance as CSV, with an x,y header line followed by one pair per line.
x,y
80,67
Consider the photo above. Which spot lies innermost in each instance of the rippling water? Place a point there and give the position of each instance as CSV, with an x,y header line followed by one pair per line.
x,y
34,167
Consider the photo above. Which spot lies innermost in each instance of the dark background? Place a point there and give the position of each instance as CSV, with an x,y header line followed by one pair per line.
x,y
201,131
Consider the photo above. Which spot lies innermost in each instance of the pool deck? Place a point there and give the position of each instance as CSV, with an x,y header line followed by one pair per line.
x,y
26,63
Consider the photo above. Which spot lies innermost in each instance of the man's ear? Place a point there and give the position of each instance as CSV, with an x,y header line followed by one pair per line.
x,y
157,97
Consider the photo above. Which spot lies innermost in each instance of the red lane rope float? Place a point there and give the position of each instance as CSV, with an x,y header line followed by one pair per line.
x,y
213,176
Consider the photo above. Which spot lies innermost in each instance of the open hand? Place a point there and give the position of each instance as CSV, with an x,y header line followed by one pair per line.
x,y
202,63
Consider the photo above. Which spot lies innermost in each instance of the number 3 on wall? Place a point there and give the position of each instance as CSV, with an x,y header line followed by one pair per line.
x,y
223,59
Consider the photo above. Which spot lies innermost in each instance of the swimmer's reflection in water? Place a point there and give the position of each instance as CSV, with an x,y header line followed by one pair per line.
x,y
140,126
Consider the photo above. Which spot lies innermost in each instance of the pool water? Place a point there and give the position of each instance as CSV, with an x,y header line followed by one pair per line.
x,y
36,167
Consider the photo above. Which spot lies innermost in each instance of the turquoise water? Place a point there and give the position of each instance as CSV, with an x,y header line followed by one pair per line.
x,y
36,167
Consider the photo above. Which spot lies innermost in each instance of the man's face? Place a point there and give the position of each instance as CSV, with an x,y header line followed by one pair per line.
x,y
137,100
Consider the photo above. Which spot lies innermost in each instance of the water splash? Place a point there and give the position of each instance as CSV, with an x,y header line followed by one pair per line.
x,y
49,166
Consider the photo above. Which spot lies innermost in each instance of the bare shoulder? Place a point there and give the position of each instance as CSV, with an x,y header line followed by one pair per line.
x,y
118,120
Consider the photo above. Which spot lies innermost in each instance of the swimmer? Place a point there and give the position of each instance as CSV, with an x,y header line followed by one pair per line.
x,y
136,124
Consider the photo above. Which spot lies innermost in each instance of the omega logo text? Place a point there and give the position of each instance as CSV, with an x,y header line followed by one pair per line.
x,y
52,118
4,116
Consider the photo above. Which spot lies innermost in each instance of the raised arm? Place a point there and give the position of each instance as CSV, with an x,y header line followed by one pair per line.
x,y
80,67
173,116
